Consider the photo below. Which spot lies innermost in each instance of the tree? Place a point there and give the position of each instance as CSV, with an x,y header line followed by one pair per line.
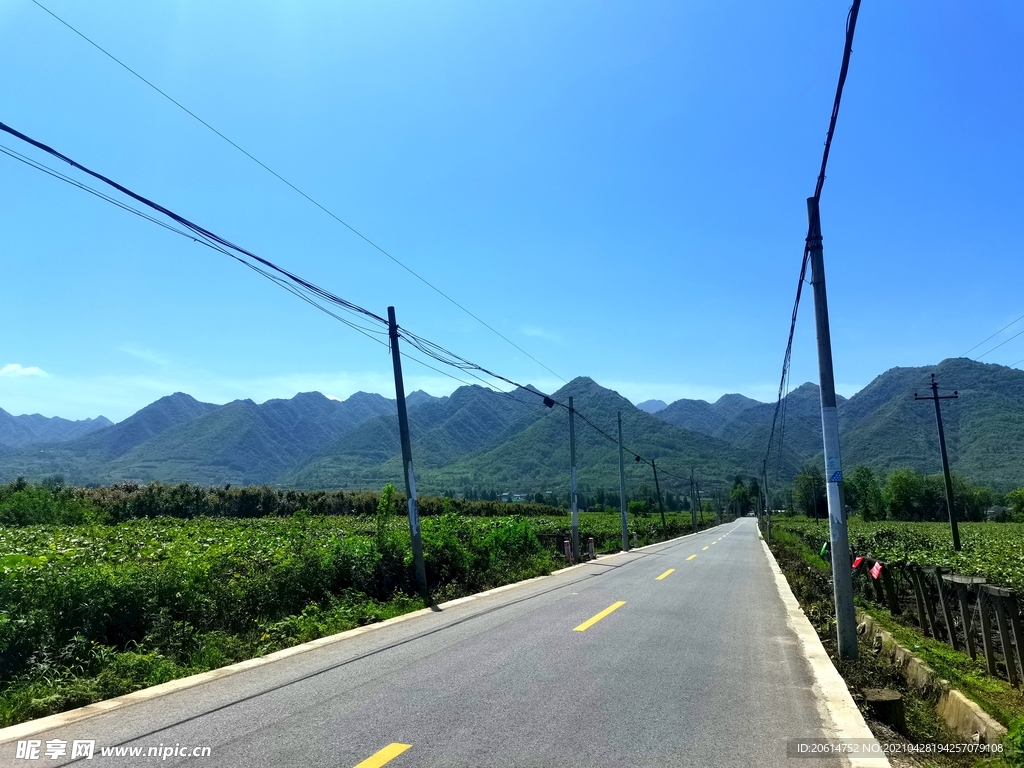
x,y
754,491
645,495
739,497
909,496
864,495
1015,501
809,492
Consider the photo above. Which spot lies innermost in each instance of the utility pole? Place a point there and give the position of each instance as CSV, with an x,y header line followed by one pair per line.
x,y
622,492
935,397
657,490
767,502
572,475
410,478
842,581
693,503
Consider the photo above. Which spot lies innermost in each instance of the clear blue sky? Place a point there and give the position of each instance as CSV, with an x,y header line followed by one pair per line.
x,y
618,187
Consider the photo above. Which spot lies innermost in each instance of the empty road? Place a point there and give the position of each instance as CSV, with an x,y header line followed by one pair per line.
x,y
678,654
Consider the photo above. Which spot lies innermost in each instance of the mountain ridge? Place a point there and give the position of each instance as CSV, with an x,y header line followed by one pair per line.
x,y
478,437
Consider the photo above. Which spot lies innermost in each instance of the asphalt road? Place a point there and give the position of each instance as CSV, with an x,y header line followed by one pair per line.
x,y
694,668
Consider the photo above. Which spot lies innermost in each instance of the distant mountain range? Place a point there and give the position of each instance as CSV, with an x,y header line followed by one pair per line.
x,y
486,440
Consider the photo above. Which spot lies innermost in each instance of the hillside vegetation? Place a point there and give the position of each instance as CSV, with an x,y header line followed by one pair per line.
x,y
103,593
478,440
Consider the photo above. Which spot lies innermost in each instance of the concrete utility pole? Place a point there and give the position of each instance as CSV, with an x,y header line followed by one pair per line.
x,y
657,490
410,478
935,396
842,580
572,476
693,502
622,492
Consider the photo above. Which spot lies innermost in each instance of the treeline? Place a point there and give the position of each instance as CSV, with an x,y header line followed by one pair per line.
x,y
52,502
904,494
589,499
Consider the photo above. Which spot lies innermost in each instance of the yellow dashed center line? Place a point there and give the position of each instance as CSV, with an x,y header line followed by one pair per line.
x,y
591,622
701,550
666,573
386,755
713,543
693,556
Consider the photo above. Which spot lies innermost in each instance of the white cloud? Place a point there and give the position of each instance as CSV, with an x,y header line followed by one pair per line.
x,y
14,369
145,354
541,333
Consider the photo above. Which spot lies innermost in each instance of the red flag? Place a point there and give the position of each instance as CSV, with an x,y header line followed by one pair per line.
x,y
858,561
876,570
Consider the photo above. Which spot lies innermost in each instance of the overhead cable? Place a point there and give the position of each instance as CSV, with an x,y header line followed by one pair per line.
x,y
298,286
296,189
851,24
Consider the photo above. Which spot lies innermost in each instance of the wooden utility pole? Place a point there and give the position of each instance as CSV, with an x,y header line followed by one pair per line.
x,y
622,492
410,478
842,580
572,477
935,397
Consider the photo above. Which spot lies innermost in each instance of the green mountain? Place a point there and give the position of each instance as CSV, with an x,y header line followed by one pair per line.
x,y
177,438
509,442
884,427
537,458
156,418
23,431
441,432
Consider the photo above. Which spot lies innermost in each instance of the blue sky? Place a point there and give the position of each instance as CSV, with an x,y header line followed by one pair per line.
x,y
617,187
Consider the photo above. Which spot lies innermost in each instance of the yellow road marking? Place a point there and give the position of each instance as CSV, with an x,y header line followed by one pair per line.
x,y
591,622
693,556
386,755
666,573
703,549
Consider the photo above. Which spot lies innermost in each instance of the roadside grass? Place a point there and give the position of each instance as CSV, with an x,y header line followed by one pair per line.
x,y
93,611
991,550
811,582
997,697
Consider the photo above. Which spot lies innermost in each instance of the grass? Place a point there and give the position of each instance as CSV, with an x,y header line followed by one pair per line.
x,y
95,610
997,697
809,578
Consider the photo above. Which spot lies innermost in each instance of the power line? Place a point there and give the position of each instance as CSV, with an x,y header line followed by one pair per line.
x,y
294,188
992,337
299,287
997,346
851,21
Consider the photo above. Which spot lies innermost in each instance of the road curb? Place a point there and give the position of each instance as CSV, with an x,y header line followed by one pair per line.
x,y
835,704
960,713
31,727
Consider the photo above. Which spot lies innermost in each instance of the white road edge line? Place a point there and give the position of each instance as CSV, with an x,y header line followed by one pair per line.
x,y
31,727
835,704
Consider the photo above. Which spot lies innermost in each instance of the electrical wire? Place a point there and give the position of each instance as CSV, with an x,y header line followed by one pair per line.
x,y
193,236
992,336
997,346
294,188
297,286
851,25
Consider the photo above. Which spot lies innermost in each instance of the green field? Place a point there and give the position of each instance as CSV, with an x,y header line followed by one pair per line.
x,y
95,610
992,550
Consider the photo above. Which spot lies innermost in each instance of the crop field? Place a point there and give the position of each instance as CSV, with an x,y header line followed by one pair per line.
x,y
992,550
95,610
